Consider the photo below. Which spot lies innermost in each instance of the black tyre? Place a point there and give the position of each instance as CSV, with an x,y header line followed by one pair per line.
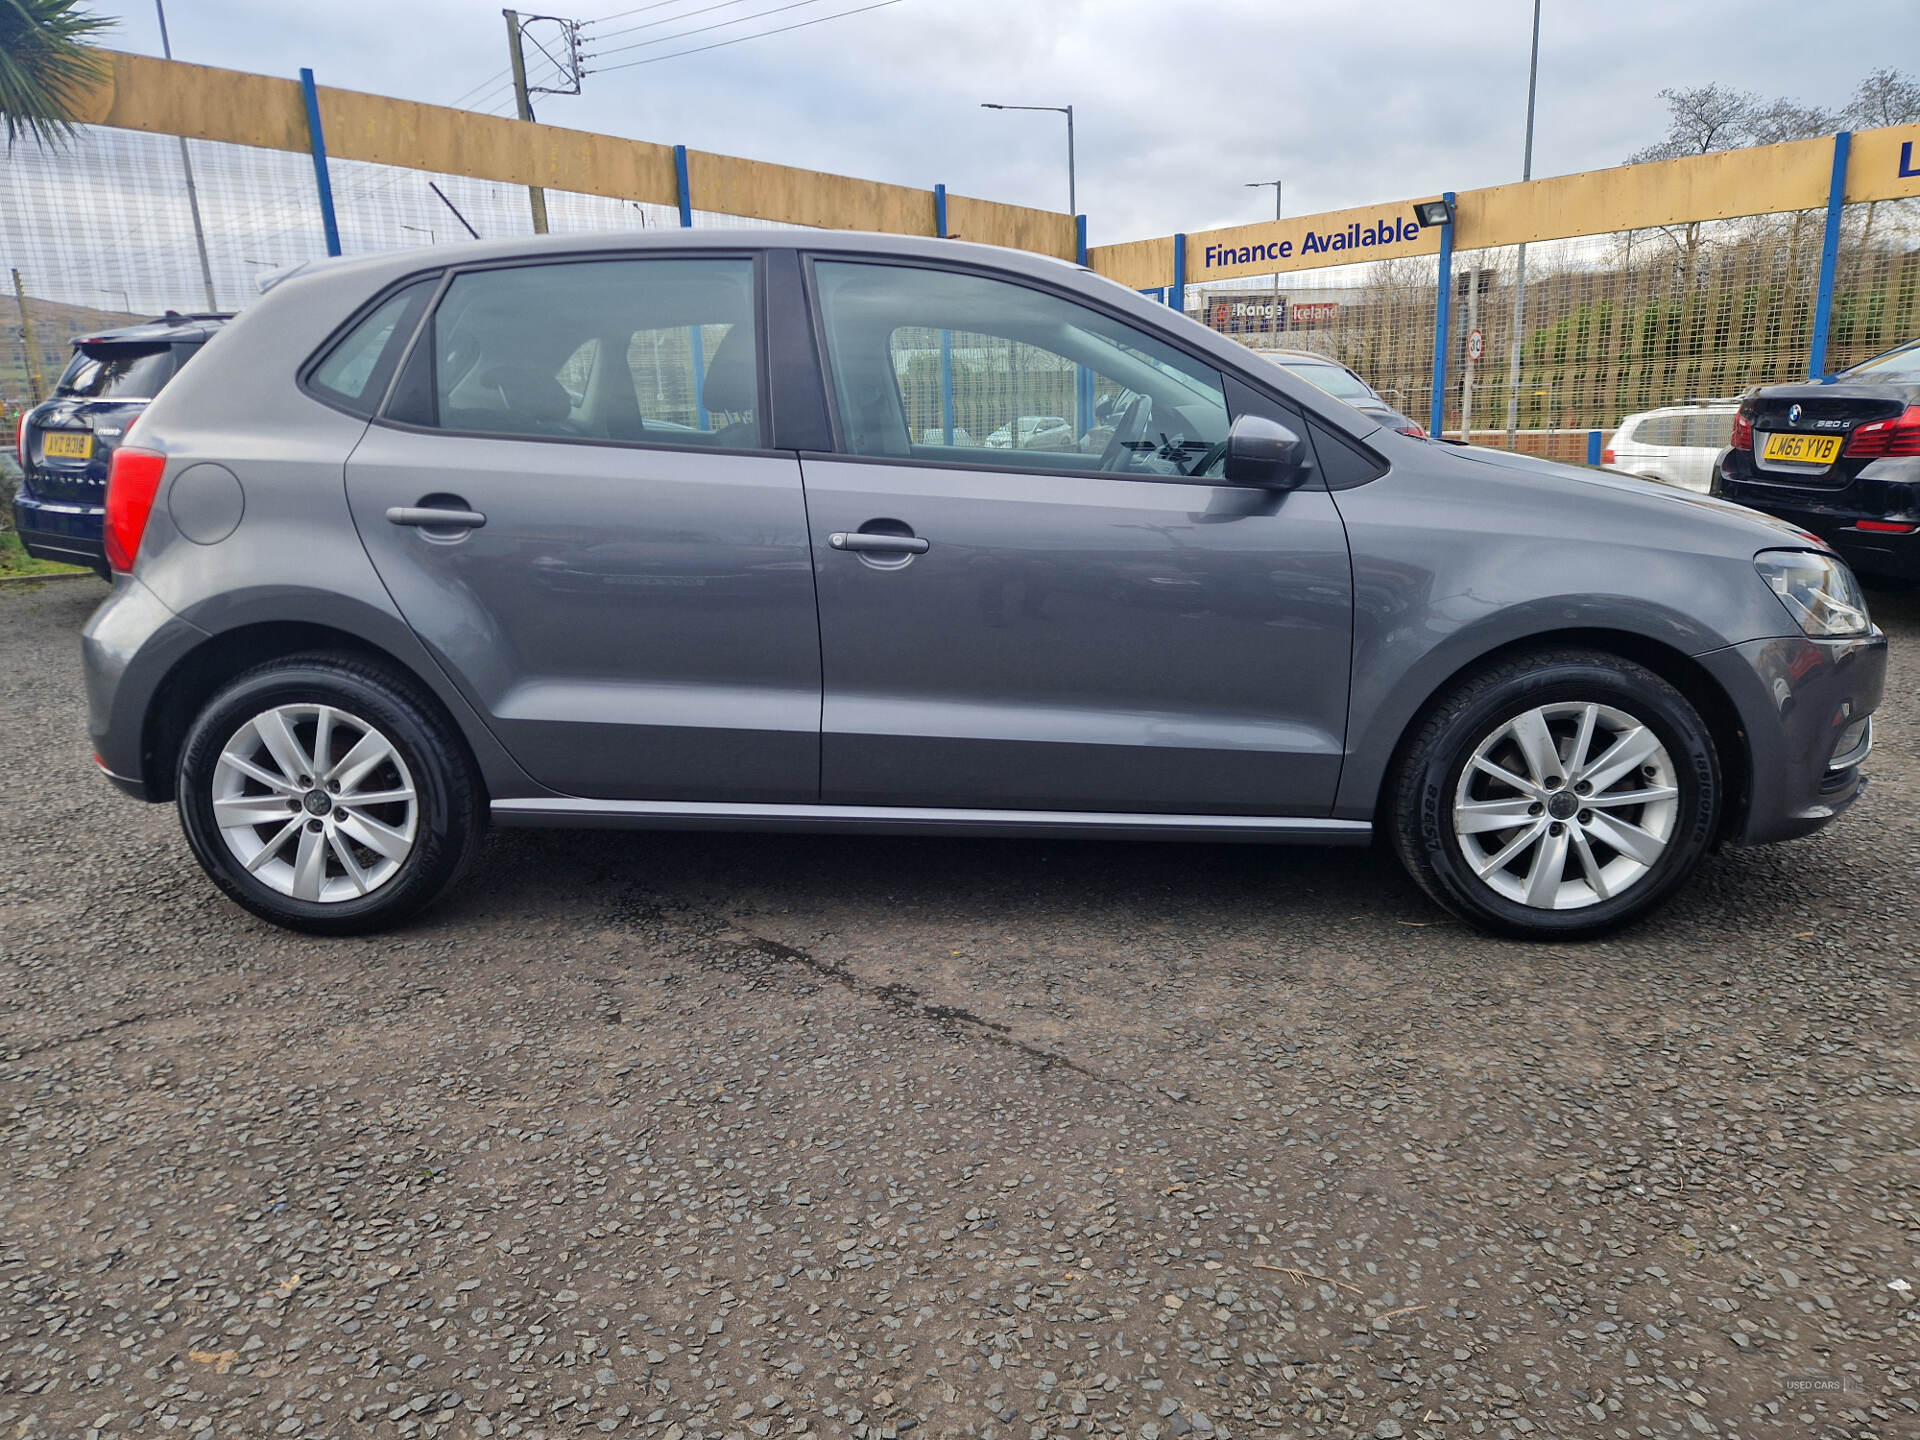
x,y
1556,795
326,794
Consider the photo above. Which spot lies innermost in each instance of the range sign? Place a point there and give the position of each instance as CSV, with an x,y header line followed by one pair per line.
x,y
1264,315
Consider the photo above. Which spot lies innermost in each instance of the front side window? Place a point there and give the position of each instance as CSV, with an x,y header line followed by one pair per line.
x,y
944,367
642,352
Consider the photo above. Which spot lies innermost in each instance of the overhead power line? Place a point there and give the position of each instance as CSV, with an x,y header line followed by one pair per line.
x,y
739,39
636,10
703,29
667,20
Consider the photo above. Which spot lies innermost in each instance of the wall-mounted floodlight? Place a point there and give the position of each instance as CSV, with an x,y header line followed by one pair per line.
x,y
1433,212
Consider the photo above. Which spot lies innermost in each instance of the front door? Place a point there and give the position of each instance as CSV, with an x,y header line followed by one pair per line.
x,y
1030,596
571,505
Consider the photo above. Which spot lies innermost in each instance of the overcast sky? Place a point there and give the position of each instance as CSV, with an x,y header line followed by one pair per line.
x,y
1177,105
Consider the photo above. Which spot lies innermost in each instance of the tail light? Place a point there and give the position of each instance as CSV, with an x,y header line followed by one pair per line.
x,y
1885,527
1898,436
1606,456
1742,437
20,439
132,482
1413,430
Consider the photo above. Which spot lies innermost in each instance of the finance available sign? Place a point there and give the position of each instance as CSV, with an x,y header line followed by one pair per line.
x,y
1345,237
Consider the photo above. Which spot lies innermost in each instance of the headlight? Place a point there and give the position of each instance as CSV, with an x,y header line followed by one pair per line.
x,y
1818,591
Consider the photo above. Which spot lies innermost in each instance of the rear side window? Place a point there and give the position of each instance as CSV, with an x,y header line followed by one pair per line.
x,y
354,373
1709,432
117,372
638,352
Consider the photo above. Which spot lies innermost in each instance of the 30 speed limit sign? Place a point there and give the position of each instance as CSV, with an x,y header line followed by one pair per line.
x,y
1476,344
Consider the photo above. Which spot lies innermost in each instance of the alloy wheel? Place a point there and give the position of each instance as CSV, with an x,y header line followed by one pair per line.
x,y
315,803
1566,805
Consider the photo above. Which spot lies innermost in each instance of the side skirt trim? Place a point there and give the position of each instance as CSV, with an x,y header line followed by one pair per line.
x,y
885,819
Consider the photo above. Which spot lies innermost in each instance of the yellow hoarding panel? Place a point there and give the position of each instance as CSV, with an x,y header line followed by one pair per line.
x,y
1137,264
1885,164
1758,181
138,92
1045,232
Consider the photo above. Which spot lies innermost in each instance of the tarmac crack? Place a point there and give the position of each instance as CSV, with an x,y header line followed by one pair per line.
x,y
906,999
60,1042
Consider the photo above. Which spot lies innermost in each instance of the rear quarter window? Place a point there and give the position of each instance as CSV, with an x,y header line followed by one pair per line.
x,y
353,374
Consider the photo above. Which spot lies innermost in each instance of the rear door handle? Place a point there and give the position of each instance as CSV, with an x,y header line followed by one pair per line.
x,y
433,517
877,544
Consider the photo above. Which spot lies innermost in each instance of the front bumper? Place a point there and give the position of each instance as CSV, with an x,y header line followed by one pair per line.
x,y
69,534
1801,703
129,646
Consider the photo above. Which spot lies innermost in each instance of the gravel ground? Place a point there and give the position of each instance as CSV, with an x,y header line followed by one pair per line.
x,y
706,1136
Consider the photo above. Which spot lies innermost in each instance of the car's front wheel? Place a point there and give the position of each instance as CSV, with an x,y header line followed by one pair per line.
x,y
325,795
1557,795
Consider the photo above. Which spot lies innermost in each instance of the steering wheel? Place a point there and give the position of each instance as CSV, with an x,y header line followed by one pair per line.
x,y
1127,431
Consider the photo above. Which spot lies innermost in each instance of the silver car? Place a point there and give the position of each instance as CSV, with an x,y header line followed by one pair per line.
x,y
693,530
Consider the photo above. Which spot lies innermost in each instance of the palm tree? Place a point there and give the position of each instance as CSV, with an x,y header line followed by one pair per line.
x,y
46,64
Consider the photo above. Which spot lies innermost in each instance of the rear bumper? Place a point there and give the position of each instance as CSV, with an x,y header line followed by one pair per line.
x,y
1798,699
129,646
67,533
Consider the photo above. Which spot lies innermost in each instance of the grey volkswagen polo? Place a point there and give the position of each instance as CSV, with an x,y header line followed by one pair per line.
x,y
695,530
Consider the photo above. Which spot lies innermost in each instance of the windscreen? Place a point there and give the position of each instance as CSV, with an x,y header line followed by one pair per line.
x,y
1901,364
1341,384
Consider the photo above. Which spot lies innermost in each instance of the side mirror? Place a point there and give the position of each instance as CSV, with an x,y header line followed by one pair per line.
x,y
1263,454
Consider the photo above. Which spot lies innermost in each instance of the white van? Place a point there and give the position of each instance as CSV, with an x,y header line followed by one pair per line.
x,y
1676,445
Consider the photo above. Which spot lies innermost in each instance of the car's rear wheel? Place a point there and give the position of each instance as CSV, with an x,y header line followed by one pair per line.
x,y
1557,795
324,794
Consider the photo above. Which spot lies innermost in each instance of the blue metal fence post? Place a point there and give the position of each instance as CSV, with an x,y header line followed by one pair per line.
x,y
317,140
1177,293
685,187
946,336
693,331
1829,254
1083,377
1593,447
1442,314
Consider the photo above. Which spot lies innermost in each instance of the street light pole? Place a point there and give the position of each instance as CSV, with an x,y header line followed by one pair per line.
x,y
1520,278
1073,199
186,166
1273,316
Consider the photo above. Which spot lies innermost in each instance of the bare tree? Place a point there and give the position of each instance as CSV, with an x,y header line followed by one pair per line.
x,y
1885,97
1700,121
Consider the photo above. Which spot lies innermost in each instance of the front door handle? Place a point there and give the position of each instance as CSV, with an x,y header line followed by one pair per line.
x,y
432,517
871,544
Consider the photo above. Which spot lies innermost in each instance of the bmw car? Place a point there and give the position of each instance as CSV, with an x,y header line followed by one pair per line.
x,y
1840,457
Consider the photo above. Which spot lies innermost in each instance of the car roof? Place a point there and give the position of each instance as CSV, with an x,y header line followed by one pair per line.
x,y
613,242
1282,356
1703,407
169,327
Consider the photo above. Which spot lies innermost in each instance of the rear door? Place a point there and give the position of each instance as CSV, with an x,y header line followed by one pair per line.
x,y
1091,623
1706,435
570,500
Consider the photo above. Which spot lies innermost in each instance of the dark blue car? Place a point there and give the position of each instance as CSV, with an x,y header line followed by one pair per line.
x,y
67,443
